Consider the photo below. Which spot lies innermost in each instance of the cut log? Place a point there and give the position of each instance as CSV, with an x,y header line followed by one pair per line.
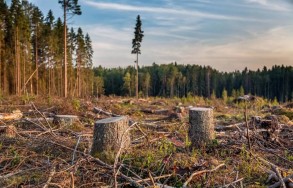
x,y
110,134
15,115
201,128
65,120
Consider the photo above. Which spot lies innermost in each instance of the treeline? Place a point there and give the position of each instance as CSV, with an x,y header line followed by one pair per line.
x,y
32,50
32,62
174,80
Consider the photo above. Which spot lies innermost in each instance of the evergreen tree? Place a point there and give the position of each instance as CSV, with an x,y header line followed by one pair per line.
x,y
80,60
69,7
136,44
3,26
224,95
127,83
37,20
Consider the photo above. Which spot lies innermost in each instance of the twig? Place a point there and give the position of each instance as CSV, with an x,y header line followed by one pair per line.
x,y
52,173
234,182
98,110
200,172
282,183
137,176
50,128
122,143
152,179
73,155
247,127
138,127
155,178
72,179
28,120
18,172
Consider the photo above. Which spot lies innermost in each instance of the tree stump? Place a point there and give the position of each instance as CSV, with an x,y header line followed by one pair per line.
x,y
201,128
66,120
110,134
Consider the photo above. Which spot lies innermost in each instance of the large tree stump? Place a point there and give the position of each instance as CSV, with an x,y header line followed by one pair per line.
x,y
201,128
110,135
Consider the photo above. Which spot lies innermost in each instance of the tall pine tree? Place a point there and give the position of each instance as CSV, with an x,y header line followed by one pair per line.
x,y
136,44
69,7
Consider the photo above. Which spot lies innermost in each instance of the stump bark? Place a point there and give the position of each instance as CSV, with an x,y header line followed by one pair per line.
x,y
110,134
201,128
66,120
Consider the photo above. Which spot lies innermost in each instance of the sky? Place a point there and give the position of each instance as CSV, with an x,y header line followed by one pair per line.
x,y
227,35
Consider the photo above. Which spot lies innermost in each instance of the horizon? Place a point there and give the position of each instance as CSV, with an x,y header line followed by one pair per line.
x,y
226,35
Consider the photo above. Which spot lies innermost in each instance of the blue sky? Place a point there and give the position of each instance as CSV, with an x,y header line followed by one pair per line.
x,y
225,34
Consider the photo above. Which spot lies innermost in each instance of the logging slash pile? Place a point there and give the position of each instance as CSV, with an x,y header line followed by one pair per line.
x,y
75,143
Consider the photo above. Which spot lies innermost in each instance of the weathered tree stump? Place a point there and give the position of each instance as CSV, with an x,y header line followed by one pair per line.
x,y
201,128
110,135
65,120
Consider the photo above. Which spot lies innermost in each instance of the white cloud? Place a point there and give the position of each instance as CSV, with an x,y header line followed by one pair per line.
x,y
263,49
183,12
276,5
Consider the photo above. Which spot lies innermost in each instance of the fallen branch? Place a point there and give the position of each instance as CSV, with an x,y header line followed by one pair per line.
x,y
154,178
18,172
233,127
99,110
281,181
73,155
52,173
200,172
50,128
158,112
285,180
232,183
15,115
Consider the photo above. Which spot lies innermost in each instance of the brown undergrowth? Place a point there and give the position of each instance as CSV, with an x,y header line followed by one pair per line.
x,y
46,154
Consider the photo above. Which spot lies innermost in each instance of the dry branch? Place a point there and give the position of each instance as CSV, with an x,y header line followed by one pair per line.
x,y
99,110
158,112
232,183
285,180
200,172
52,173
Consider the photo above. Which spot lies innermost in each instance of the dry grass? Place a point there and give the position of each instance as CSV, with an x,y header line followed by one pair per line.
x,y
160,147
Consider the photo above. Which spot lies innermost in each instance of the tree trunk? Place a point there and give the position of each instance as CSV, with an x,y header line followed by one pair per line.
x,y
65,50
36,56
110,134
201,129
136,88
